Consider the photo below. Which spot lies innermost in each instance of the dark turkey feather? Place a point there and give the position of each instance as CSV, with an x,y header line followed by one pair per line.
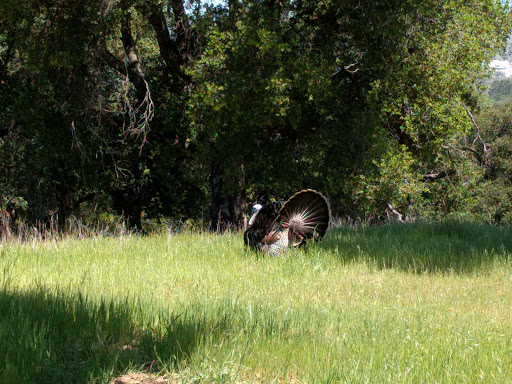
x,y
275,227
265,228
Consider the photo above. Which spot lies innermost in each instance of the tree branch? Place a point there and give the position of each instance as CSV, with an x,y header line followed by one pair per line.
x,y
399,216
112,61
482,159
168,48
140,115
439,175
175,53
83,199
134,67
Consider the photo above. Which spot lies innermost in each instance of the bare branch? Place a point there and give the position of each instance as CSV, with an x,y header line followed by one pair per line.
x,y
168,48
177,52
439,175
137,114
399,216
139,118
483,159
113,61
134,67
347,68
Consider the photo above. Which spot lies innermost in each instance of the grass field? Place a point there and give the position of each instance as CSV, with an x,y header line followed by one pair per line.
x,y
393,304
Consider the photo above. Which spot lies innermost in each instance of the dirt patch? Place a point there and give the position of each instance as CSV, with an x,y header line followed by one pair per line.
x,y
180,378
142,378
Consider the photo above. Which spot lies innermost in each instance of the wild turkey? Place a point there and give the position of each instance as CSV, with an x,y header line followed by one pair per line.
x,y
276,226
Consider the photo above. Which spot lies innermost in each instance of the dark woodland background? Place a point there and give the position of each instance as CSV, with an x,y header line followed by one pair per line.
x,y
174,111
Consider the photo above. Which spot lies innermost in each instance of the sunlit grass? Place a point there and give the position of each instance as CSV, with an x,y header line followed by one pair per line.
x,y
395,304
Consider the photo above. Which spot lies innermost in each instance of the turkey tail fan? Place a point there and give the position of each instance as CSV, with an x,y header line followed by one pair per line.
x,y
265,228
307,215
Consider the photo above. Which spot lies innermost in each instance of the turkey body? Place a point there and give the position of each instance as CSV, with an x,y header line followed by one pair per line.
x,y
279,226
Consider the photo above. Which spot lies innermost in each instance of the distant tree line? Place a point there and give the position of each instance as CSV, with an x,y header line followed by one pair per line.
x,y
176,110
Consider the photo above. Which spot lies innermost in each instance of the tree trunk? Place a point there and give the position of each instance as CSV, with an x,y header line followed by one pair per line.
x,y
239,201
216,192
65,207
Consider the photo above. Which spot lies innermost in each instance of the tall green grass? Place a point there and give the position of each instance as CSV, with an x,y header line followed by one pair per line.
x,y
440,247
394,304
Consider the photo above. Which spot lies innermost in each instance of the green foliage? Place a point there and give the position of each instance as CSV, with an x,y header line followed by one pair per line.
x,y
247,106
493,194
421,96
396,184
500,90
252,98
71,124
337,113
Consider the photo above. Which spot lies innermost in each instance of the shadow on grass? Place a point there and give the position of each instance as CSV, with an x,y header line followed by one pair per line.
x,y
55,338
455,247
